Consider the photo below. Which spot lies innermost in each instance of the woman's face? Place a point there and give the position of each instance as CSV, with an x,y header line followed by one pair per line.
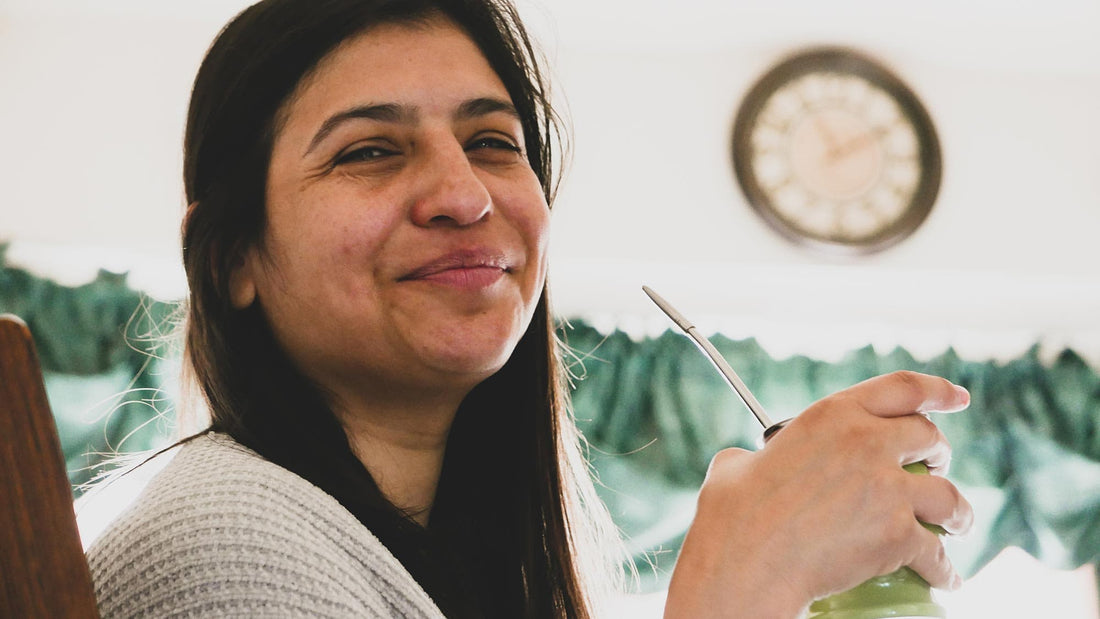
x,y
405,242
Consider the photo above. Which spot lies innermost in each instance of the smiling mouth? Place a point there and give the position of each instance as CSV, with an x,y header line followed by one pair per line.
x,y
473,278
467,269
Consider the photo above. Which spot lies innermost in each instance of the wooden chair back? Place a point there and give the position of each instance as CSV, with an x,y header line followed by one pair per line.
x,y
43,572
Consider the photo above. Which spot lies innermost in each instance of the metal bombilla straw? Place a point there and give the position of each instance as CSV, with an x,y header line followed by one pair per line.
x,y
720,364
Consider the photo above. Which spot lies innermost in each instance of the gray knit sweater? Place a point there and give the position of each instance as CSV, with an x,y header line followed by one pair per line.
x,y
222,532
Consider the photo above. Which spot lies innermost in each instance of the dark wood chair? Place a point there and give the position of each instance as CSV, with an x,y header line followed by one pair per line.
x,y
43,572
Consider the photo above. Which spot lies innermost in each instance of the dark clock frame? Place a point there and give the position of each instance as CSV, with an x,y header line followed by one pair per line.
x,y
850,62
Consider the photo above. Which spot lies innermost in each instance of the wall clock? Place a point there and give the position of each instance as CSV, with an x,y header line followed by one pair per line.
x,y
834,151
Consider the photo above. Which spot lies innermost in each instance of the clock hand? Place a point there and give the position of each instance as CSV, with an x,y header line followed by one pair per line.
x,y
826,134
854,144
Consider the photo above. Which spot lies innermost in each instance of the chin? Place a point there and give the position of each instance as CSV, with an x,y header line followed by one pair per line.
x,y
481,345
477,366
476,358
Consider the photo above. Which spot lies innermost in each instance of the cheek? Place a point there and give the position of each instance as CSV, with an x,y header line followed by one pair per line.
x,y
531,217
533,227
358,241
537,231
332,231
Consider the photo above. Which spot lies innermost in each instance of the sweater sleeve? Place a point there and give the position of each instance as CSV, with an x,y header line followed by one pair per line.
x,y
223,533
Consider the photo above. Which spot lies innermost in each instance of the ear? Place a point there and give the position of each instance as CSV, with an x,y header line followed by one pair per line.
x,y
242,279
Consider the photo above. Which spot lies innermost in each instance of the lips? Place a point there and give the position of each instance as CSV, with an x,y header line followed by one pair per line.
x,y
466,268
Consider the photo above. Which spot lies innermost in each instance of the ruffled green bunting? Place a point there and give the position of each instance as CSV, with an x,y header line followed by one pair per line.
x,y
107,366
1027,452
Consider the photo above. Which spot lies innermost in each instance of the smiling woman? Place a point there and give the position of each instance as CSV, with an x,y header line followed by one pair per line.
x,y
365,248
417,229
369,185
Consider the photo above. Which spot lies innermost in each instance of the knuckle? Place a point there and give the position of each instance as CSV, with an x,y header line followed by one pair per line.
x,y
897,528
840,411
962,514
909,382
882,486
907,376
934,563
862,436
930,427
952,495
938,554
955,495
723,456
938,436
940,565
817,412
722,460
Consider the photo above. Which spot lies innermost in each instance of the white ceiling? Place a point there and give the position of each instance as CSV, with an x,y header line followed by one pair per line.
x,y
1058,35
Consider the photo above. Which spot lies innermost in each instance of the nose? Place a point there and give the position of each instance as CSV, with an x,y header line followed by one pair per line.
x,y
450,192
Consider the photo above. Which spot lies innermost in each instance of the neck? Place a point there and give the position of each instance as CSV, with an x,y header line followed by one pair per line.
x,y
403,448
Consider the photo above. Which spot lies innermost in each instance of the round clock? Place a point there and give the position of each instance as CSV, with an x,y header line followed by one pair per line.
x,y
833,150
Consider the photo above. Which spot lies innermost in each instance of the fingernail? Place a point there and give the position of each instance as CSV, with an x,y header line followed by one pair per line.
x,y
956,582
962,393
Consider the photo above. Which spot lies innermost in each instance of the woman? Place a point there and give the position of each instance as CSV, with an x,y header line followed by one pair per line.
x,y
366,251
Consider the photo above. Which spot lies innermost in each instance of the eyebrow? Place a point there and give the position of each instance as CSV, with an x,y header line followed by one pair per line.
x,y
409,115
483,106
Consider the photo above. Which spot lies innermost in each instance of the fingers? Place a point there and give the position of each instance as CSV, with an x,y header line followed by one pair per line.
x,y
920,440
905,393
937,501
931,562
840,424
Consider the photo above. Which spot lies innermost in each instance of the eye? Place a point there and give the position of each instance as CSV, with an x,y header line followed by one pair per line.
x,y
365,153
494,143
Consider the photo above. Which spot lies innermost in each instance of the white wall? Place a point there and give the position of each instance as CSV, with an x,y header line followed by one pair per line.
x,y
1008,256
92,99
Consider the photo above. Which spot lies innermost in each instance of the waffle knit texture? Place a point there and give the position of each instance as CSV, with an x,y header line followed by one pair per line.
x,y
222,532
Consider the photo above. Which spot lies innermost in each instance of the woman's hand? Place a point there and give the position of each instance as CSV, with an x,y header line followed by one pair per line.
x,y
825,506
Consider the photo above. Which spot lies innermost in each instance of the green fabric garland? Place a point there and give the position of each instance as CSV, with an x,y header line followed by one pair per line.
x,y
106,366
1026,453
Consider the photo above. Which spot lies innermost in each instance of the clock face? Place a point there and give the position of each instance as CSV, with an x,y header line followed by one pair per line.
x,y
835,151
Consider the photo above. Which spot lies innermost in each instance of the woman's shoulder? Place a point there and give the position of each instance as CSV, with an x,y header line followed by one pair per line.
x,y
222,531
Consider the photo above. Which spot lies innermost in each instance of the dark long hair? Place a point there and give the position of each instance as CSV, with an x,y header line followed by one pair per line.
x,y
505,525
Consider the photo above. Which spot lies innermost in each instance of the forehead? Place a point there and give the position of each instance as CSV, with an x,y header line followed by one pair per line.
x,y
431,63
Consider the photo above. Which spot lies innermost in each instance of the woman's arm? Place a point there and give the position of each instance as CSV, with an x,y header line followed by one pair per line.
x,y
825,506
